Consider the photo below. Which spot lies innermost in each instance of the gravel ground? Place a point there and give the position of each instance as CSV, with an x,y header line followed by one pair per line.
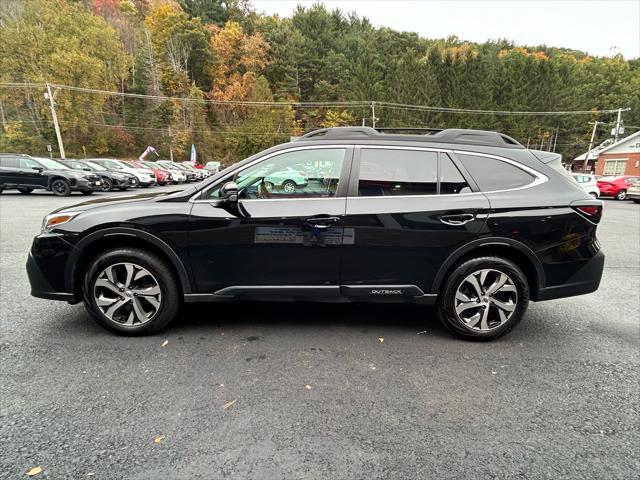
x,y
316,392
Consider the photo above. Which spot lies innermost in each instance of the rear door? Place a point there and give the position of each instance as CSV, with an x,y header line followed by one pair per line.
x,y
408,209
9,170
285,233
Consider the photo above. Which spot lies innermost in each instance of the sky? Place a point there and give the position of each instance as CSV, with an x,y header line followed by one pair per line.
x,y
598,27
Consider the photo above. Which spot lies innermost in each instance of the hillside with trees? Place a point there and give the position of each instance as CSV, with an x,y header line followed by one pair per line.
x,y
218,74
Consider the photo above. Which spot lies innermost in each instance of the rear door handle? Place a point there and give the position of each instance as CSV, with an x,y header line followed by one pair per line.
x,y
459,219
321,223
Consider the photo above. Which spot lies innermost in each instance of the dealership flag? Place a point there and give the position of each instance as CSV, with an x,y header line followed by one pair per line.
x,y
193,155
149,150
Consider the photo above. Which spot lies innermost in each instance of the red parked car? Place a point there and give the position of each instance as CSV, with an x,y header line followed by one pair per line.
x,y
615,186
163,177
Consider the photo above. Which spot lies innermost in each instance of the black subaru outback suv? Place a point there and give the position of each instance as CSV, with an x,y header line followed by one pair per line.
x,y
467,220
26,174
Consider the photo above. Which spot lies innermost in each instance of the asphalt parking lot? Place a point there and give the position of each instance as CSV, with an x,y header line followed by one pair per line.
x,y
320,391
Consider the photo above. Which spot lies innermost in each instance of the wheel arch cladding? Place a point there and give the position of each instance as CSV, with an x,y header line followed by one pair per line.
x,y
92,245
510,249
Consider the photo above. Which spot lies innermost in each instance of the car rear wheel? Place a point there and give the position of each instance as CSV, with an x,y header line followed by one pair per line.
x,y
289,186
60,188
594,195
25,191
621,195
107,184
483,298
131,291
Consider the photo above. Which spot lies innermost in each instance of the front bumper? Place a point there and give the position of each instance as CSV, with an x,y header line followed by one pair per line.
x,y
46,267
84,185
586,280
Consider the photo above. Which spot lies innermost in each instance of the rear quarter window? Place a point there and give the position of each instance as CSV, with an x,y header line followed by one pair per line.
x,y
492,174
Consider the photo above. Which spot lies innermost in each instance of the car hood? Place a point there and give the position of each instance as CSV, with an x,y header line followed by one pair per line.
x,y
107,201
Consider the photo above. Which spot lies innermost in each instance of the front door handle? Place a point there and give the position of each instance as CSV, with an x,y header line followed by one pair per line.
x,y
459,219
321,223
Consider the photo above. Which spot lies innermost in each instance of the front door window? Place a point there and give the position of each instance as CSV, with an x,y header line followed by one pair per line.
x,y
313,173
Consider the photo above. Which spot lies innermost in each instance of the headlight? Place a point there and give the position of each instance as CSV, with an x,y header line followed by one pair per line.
x,y
56,219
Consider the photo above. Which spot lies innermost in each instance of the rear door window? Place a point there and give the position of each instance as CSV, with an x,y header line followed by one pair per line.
x,y
492,174
392,172
9,162
388,172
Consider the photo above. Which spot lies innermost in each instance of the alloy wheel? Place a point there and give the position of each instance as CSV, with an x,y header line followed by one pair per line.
x,y
289,187
127,294
486,299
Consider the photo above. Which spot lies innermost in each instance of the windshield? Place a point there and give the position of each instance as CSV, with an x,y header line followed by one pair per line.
x,y
95,166
113,164
51,164
169,166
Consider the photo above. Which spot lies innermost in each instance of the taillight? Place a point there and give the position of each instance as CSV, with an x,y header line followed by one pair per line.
x,y
589,210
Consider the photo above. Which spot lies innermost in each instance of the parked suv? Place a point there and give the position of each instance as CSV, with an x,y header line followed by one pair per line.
x,y
110,180
470,221
26,174
144,176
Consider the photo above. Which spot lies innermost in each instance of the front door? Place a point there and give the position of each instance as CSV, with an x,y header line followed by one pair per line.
x,y
408,209
30,173
284,234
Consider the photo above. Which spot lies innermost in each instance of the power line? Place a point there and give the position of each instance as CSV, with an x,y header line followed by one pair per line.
x,y
346,104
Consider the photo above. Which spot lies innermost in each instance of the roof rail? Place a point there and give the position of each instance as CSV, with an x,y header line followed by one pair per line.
x,y
449,135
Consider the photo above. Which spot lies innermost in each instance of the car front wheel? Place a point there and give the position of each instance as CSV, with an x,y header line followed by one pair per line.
x,y
107,184
483,298
60,188
131,291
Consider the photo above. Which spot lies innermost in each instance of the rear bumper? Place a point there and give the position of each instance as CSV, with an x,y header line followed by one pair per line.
x,y
586,280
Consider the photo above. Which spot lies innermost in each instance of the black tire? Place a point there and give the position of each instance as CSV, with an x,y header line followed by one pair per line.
x,y
621,195
594,195
107,184
87,192
25,191
635,200
60,188
1,190
447,297
170,290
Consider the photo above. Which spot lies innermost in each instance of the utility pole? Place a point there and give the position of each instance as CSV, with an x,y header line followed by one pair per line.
x,y
49,96
170,146
615,139
593,136
373,114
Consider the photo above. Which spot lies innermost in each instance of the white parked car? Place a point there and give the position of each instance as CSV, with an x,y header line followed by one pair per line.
x,y
213,167
145,176
588,183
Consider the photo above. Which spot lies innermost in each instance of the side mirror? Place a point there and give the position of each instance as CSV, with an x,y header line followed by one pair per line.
x,y
86,169
39,169
229,192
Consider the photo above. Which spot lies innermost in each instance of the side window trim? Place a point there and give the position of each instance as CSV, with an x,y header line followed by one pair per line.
x,y
538,178
201,196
